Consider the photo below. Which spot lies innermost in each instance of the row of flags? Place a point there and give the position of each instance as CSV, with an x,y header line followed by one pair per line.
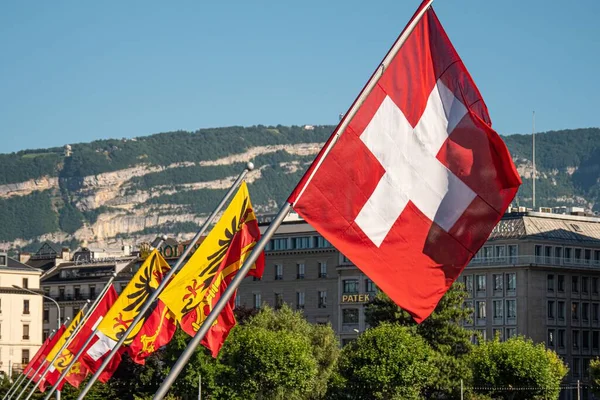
x,y
186,301
409,187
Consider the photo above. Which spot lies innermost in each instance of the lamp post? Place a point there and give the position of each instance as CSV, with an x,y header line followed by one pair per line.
x,y
57,309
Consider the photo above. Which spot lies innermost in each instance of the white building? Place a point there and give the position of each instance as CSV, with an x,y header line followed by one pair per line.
x,y
20,314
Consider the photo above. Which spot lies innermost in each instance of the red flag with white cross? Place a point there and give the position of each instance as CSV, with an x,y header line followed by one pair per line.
x,y
410,187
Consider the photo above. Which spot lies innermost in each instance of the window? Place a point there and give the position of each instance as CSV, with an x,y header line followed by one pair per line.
x,y
61,293
576,367
75,311
511,332
25,283
561,338
45,334
551,309
300,271
481,283
538,253
278,272
561,283
350,285
77,292
596,257
500,253
370,286
575,284
2,260
300,300
575,311
279,244
548,255
322,242
550,342
595,312
25,331
497,333
586,368
46,291
587,256
322,299
487,253
469,306
550,283
511,281
46,315
595,340
480,310
301,242
497,282
468,281
278,300
585,340
257,301
594,285
575,339
92,292
578,256
558,255
25,306
561,310
238,301
585,311
511,308
350,316
512,253
497,309
568,254
584,284
322,270
24,356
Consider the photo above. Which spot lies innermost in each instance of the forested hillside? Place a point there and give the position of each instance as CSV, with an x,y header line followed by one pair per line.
x,y
124,189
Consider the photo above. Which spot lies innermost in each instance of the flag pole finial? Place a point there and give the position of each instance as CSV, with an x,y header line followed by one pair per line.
x,y
250,166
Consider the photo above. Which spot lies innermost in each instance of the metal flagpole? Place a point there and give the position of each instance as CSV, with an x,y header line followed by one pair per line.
x,y
22,378
285,209
165,281
75,331
81,350
37,371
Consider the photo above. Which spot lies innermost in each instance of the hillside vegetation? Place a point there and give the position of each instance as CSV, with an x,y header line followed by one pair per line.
x,y
183,178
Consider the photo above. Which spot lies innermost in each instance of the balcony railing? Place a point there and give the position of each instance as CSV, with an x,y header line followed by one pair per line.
x,y
72,297
534,260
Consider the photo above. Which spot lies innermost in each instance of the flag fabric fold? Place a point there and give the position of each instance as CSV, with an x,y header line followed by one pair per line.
x,y
416,181
194,291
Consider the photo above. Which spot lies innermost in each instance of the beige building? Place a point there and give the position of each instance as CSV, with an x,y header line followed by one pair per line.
x,y
20,314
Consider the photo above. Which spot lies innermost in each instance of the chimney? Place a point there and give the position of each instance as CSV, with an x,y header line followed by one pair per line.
x,y
66,254
24,257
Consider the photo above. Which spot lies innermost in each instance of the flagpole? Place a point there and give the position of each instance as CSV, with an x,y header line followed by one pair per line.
x,y
285,209
37,371
23,377
249,167
81,350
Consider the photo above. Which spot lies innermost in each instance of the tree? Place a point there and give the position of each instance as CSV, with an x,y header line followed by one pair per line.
x,y
517,363
387,362
442,330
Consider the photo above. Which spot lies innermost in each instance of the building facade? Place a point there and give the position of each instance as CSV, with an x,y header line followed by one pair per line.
x,y
20,314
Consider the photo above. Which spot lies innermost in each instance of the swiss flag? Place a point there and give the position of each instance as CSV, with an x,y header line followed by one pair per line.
x,y
415,183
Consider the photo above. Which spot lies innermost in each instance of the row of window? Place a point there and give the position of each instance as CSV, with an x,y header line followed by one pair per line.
x,y
579,311
497,253
352,286
500,282
25,332
300,270
298,243
579,284
500,309
46,313
557,255
278,300
580,339
501,333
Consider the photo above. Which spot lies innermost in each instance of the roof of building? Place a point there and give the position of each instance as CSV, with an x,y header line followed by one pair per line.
x,y
12,264
548,226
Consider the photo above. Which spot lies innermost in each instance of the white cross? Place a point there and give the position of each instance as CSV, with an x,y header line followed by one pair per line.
x,y
412,171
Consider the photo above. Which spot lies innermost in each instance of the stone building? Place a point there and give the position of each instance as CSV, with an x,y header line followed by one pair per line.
x,y
20,314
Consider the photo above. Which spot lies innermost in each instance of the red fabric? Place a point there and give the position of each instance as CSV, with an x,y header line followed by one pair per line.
x,y
157,331
34,363
418,260
42,358
87,364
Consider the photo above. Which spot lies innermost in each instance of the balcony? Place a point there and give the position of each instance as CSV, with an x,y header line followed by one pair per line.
x,y
534,260
72,297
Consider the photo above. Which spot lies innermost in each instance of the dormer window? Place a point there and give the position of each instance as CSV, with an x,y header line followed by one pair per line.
x,y
3,259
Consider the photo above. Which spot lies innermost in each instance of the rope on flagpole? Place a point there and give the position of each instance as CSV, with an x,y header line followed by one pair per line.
x,y
249,167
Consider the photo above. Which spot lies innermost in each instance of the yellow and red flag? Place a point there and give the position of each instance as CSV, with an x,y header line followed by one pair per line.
x,y
125,309
196,288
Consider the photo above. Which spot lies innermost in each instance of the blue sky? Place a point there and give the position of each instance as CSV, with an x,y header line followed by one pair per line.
x,y
73,71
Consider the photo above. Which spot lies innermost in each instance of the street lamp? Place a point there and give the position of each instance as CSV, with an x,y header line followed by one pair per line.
x,y
46,297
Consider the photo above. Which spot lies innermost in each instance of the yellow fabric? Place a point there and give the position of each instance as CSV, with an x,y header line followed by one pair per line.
x,y
65,336
132,299
188,288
